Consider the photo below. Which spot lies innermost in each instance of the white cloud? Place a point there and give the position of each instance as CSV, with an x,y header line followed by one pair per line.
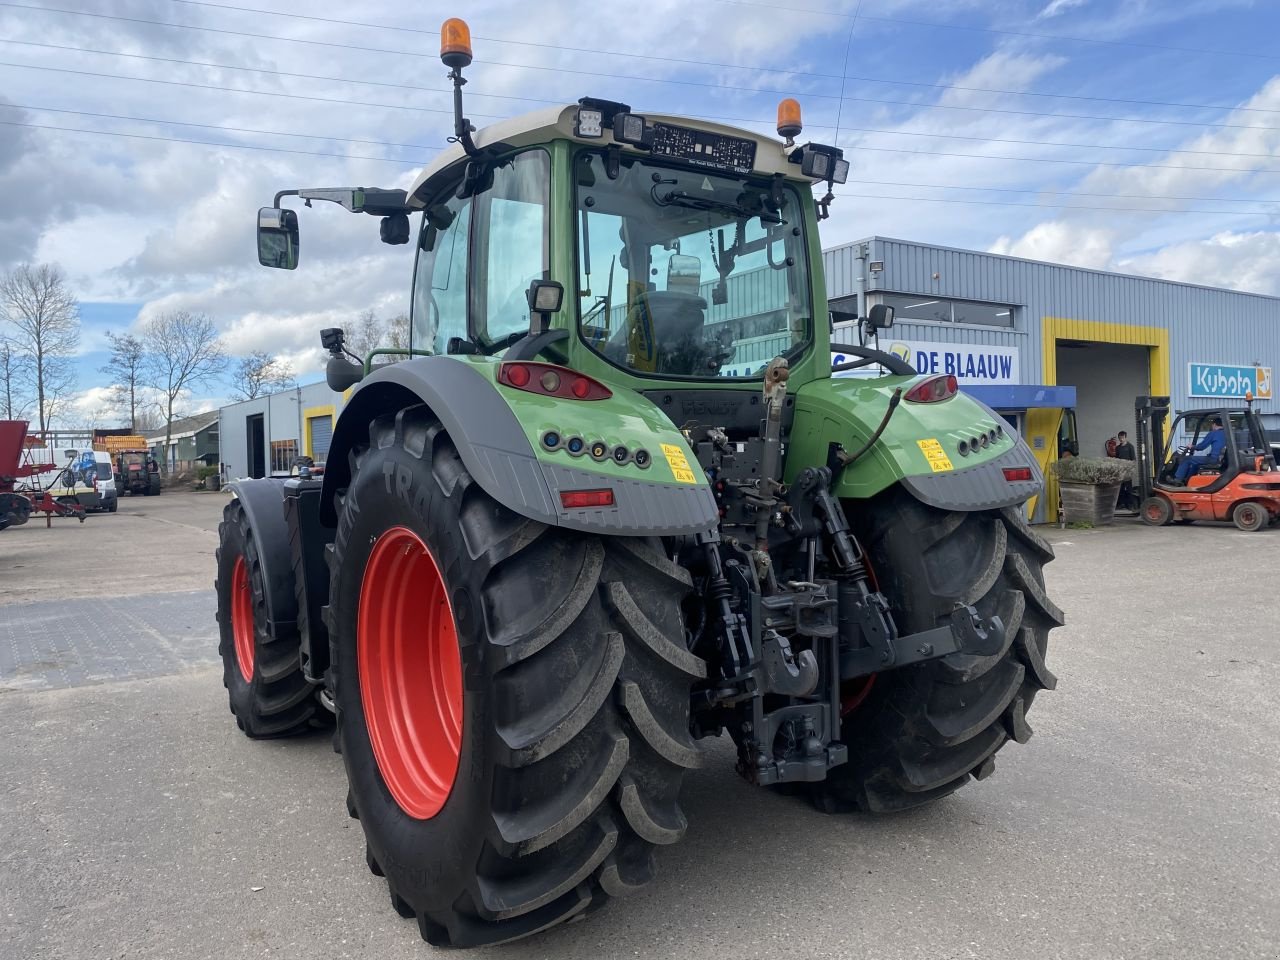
x,y
1242,261
1057,242
1056,7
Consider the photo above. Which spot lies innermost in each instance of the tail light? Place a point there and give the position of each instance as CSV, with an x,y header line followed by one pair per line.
x,y
1014,474
551,380
578,499
933,390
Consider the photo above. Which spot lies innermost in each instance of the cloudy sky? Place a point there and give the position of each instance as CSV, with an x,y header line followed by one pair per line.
x,y
1135,135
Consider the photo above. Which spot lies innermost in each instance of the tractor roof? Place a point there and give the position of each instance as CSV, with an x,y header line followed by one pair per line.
x,y
557,123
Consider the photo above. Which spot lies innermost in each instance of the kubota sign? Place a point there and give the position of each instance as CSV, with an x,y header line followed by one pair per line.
x,y
1228,380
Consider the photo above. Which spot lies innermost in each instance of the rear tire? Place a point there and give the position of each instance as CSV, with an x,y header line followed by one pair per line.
x,y
1250,517
269,696
574,709
919,733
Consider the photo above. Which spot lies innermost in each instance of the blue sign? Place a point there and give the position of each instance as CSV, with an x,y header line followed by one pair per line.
x,y
1228,380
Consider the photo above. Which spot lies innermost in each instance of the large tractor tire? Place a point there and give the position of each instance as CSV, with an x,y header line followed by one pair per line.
x,y
269,695
512,698
919,733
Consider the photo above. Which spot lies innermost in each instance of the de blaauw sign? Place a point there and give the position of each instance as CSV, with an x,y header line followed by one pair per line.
x,y
1228,380
970,363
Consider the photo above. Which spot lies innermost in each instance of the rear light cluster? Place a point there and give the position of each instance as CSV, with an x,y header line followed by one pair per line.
x,y
980,441
1014,474
933,390
551,380
582,499
597,450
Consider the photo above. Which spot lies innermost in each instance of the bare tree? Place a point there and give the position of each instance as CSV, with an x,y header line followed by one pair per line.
x,y
398,331
126,367
15,399
367,333
150,418
183,351
259,374
46,323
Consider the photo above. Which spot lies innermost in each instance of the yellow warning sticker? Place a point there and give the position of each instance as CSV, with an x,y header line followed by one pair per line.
x,y
678,463
937,457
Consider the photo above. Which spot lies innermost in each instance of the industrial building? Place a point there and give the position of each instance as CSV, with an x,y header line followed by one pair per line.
x,y
1032,340
261,437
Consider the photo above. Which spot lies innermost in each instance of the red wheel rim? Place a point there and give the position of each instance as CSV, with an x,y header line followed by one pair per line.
x,y
410,673
242,618
1155,511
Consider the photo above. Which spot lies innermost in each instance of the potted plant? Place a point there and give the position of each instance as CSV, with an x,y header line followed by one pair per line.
x,y
1088,487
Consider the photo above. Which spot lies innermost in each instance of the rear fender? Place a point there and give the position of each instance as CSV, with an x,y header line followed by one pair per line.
x,y
920,448
499,434
263,503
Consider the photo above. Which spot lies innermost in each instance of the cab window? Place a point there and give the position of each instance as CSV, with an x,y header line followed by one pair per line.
x,y
509,246
440,279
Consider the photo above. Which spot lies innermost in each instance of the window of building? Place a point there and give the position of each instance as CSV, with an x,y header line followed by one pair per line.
x,y
913,308
282,454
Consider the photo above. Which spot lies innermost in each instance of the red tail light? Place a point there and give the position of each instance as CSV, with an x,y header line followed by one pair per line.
x,y
933,390
578,499
551,380
1014,474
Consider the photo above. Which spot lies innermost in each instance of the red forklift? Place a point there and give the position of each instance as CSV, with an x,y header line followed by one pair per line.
x,y
1242,485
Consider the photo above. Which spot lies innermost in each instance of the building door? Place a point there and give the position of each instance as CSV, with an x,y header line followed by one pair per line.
x,y
1107,378
321,432
256,434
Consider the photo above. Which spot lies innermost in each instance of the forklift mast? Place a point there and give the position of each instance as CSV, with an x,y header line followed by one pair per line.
x,y
1150,415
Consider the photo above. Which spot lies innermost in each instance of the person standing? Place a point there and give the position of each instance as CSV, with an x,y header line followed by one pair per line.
x,y
1124,451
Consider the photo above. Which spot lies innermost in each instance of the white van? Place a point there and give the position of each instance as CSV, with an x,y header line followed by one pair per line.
x,y
105,481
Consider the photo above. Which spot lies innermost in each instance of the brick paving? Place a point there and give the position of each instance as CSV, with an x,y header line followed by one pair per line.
x,y
69,643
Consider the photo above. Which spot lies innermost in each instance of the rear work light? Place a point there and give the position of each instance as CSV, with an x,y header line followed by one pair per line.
x,y
1014,474
551,380
578,499
933,390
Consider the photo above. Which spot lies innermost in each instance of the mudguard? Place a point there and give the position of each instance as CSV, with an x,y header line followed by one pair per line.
x,y
952,454
502,434
263,503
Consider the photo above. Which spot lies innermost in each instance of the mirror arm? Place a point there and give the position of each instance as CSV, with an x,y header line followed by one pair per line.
x,y
374,201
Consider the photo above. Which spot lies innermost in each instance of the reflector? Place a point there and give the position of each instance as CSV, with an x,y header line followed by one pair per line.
x,y
579,499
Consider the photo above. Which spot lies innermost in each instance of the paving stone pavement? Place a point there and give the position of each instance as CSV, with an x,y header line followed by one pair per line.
x,y
68,643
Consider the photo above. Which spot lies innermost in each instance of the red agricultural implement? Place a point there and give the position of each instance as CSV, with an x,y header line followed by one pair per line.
x,y
20,493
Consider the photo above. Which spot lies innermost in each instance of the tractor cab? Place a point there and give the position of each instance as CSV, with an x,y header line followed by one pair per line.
x,y
1215,464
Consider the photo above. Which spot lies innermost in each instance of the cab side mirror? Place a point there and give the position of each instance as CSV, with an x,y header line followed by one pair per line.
x,y
278,238
880,317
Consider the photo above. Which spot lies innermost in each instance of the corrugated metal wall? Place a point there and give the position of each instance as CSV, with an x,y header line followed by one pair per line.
x,y
1205,324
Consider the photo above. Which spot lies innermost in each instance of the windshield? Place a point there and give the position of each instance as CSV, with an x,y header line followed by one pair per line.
x,y
689,273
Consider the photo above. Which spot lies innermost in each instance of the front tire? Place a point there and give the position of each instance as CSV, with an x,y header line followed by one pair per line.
x,y
268,693
568,735
919,733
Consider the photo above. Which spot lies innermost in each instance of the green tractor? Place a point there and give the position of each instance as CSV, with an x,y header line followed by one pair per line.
x,y
613,501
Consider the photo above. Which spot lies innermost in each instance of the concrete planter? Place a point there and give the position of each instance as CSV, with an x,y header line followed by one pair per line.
x,y
1093,503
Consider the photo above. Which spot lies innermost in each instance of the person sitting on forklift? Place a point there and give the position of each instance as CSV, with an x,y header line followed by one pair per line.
x,y
1215,441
